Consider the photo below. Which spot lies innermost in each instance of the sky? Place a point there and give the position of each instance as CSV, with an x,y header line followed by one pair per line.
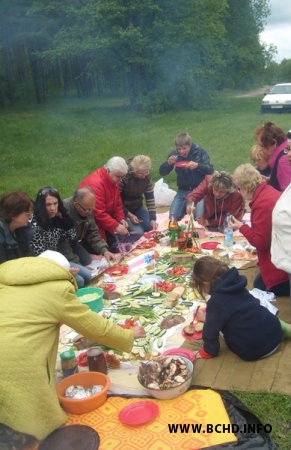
x,y
278,28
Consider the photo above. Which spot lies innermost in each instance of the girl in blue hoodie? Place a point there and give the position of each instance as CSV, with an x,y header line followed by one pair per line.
x,y
250,330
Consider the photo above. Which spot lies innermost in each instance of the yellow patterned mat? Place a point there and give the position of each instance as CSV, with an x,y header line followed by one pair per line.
x,y
194,407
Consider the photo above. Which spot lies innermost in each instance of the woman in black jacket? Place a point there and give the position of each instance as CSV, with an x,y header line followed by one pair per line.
x,y
15,213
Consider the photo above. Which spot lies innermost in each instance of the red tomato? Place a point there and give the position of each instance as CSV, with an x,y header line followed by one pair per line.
x,y
165,286
109,287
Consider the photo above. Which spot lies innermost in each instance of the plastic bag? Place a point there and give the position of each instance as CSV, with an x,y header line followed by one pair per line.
x,y
163,194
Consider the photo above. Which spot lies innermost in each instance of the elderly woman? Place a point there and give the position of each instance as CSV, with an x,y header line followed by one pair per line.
x,y
273,142
37,295
262,199
108,212
15,213
220,198
136,186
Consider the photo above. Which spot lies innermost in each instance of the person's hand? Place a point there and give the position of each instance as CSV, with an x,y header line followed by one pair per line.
x,y
110,257
191,165
190,207
138,332
121,229
154,224
172,159
124,223
197,355
74,270
234,223
202,221
133,218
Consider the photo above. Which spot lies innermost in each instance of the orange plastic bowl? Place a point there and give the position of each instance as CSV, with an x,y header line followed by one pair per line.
x,y
85,379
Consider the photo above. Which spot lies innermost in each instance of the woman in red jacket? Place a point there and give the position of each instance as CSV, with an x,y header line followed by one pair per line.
x,y
262,198
220,198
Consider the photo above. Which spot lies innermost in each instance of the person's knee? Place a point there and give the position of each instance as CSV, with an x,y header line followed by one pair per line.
x,y
80,281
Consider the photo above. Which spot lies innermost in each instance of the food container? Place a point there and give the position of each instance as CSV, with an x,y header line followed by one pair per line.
x,y
171,392
96,360
68,363
85,379
91,297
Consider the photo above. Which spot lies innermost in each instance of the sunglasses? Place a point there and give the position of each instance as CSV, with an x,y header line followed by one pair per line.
x,y
45,191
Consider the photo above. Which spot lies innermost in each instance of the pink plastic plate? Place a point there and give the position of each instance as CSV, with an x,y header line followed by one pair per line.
x,y
180,352
181,163
210,245
138,413
195,336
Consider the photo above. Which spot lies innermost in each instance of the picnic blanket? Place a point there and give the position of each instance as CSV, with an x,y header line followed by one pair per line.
x,y
194,407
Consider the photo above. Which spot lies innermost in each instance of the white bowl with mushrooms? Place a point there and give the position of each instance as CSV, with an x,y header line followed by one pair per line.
x,y
166,377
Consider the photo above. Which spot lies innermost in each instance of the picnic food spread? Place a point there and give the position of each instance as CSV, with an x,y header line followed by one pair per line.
x,y
151,287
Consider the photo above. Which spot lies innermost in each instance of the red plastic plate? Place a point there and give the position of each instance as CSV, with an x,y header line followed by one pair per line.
x,y
138,413
181,352
194,336
117,271
147,244
181,163
210,245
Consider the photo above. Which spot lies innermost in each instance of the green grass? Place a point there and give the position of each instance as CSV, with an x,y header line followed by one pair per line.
x,y
59,143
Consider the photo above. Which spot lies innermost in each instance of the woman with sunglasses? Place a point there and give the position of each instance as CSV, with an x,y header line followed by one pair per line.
x,y
52,225
15,213
220,198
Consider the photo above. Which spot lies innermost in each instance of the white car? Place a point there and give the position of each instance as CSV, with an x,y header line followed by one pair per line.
x,y
278,99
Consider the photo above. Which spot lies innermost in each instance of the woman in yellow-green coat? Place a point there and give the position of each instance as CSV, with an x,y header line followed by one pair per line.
x,y
36,296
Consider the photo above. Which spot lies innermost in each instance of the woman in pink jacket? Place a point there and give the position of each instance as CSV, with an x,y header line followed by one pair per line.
x,y
108,212
262,198
274,142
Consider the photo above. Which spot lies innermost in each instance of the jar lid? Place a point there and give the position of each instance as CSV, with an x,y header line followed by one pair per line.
x,y
67,354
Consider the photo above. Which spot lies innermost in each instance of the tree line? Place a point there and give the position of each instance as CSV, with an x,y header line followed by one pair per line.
x,y
160,54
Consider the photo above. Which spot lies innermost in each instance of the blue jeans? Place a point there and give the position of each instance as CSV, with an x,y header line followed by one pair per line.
x,y
178,206
83,276
83,253
144,226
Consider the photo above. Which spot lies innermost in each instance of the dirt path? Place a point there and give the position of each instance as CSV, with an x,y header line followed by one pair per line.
x,y
260,91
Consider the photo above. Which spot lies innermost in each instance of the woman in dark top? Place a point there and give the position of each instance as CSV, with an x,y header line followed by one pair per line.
x,y
136,186
15,213
52,224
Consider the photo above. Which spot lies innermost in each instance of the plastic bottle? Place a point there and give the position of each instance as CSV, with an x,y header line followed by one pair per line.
x,y
228,233
174,230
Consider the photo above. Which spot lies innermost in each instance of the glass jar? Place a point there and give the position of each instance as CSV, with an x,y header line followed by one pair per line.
x,y
96,360
69,363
